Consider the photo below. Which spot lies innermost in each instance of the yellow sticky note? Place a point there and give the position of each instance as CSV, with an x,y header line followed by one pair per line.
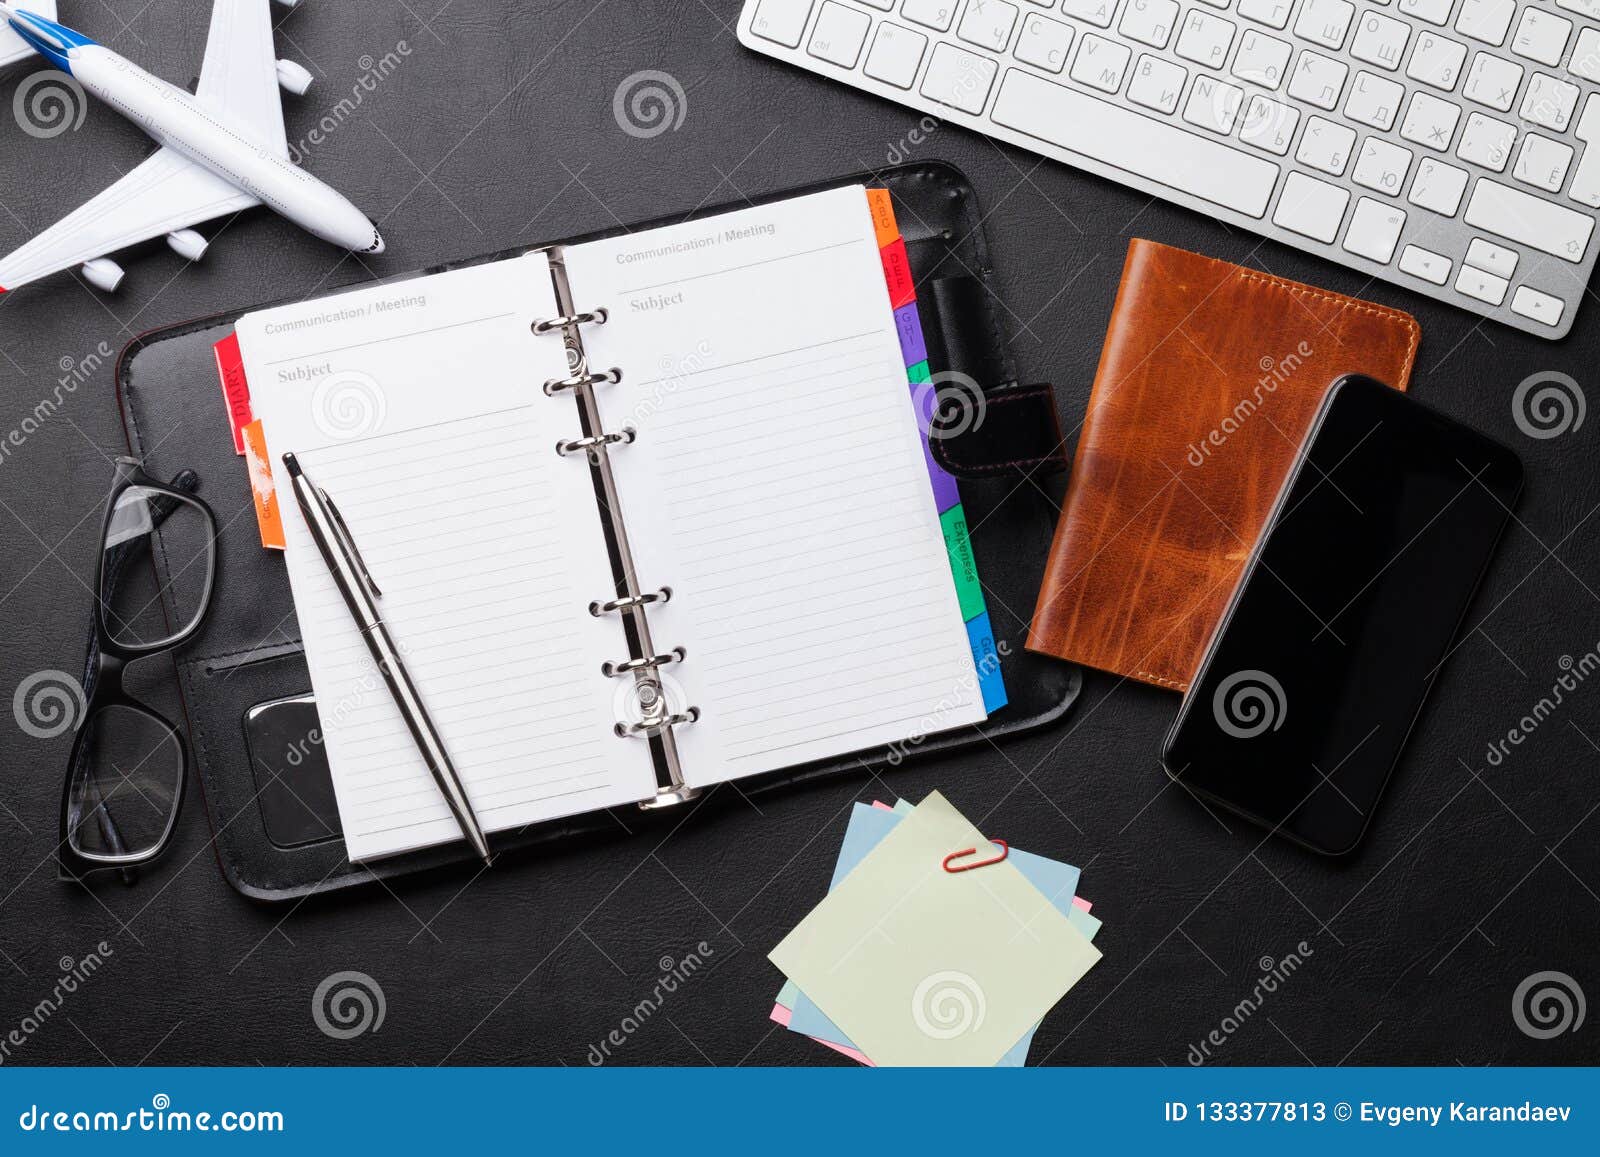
x,y
919,966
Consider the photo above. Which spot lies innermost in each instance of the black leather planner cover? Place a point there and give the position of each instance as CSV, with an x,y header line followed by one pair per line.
x,y
248,654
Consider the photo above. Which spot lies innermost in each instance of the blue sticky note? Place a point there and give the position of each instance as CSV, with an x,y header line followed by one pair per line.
x,y
868,825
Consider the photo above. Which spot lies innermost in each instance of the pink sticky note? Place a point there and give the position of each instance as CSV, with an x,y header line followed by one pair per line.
x,y
783,1015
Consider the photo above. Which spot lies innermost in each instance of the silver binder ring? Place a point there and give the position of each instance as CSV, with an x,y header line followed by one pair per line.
x,y
595,441
598,608
554,386
628,666
596,316
689,715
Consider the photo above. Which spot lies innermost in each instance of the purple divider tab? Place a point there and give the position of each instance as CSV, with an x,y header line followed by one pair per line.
x,y
909,324
945,494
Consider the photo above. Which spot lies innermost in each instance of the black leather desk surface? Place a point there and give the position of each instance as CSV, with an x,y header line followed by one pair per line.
x,y
497,127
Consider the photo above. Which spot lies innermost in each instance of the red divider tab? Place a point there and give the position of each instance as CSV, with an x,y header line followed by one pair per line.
x,y
235,388
897,271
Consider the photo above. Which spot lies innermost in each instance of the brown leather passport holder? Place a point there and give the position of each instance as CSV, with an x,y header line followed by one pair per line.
x,y
1208,383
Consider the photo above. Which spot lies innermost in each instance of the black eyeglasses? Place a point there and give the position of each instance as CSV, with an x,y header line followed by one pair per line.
x,y
126,773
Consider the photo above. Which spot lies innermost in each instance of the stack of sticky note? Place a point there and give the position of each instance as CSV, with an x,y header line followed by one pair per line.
x,y
906,962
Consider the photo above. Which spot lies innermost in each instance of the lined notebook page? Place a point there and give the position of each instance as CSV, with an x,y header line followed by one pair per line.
x,y
417,407
777,484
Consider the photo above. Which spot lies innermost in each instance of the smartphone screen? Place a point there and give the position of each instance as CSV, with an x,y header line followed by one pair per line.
x,y
1343,616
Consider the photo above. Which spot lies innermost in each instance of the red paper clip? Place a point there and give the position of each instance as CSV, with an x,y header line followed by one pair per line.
x,y
1005,850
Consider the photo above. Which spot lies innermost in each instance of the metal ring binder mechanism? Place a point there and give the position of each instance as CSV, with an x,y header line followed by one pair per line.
x,y
629,601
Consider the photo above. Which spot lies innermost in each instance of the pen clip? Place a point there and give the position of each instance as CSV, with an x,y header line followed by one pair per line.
x,y
342,528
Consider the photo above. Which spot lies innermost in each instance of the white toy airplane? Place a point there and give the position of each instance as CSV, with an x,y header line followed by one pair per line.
x,y
222,149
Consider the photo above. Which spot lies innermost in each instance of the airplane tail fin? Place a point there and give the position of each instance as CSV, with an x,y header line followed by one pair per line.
x,y
12,47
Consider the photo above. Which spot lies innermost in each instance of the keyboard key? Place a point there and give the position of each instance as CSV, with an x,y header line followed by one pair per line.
x,y
1589,8
1585,60
1430,121
839,34
1374,230
1324,145
1213,105
1311,208
1149,21
1529,220
1324,22
1261,58
781,21
1205,39
1156,83
1438,187
895,54
1541,36
1487,142
1269,125
1374,101
1135,143
1549,102
1490,258
1586,181
1380,40
988,24
1096,12
1425,263
1044,42
1318,80
929,13
1585,188
1492,81
1433,11
1483,286
958,78
1486,20
1531,303
1437,61
1382,166
1272,13
1543,163
1100,63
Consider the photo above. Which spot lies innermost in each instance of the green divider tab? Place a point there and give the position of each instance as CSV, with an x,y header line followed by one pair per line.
x,y
968,590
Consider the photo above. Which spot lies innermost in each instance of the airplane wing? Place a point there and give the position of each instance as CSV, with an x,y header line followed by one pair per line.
x,y
12,46
166,193
240,75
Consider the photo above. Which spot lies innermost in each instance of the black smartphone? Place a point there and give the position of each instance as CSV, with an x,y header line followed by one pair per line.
x,y
1343,616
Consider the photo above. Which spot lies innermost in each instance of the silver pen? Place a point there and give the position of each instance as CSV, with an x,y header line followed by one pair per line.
x,y
361,595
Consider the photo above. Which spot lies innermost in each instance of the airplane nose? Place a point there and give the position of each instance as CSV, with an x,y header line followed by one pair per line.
x,y
377,245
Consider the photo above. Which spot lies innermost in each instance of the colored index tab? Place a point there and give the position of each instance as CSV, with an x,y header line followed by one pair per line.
x,y
269,520
969,591
908,324
945,494
980,633
235,388
883,222
897,271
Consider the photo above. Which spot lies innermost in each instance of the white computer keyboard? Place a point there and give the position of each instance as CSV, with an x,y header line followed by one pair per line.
x,y
1443,145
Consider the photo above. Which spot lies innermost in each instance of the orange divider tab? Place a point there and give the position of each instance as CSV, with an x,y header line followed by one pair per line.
x,y
268,518
235,388
897,271
883,222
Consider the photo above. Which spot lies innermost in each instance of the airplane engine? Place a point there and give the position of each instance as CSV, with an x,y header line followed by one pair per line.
x,y
293,78
103,273
188,244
